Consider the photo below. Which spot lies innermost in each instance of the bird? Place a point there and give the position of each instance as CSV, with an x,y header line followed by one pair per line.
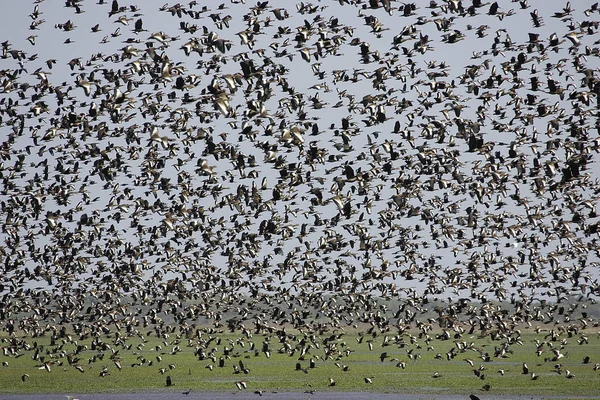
x,y
196,185
534,376
569,374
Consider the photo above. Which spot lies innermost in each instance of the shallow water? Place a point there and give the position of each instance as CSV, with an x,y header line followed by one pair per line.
x,y
177,395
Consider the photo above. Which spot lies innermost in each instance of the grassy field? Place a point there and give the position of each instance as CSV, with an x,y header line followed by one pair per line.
x,y
130,363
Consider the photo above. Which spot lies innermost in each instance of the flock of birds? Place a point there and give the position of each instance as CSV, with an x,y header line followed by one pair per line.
x,y
313,165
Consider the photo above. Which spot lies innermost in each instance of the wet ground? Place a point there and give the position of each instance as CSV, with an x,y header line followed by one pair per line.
x,y
178,395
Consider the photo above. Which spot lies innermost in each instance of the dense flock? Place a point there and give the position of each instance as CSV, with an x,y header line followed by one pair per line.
x,y
315,166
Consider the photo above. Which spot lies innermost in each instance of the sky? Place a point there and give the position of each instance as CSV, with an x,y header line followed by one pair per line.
x,y
327,101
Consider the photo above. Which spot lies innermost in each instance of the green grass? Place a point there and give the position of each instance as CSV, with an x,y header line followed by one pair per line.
x,y
278,372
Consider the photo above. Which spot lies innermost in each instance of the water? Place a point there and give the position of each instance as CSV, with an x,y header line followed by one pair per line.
x,y
177,395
